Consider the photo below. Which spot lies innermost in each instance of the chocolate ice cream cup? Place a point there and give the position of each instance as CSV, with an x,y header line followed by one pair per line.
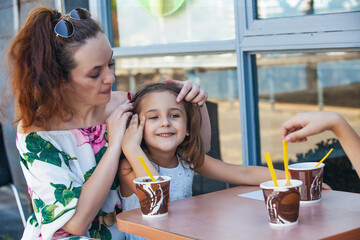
x,y
312,178
154,197
282,202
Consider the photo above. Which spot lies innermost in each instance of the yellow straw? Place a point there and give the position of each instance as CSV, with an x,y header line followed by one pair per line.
x,y
146,168
271,168
323,158
286,163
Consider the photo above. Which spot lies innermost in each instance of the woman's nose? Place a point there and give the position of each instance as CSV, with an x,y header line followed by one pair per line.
x,y
109,77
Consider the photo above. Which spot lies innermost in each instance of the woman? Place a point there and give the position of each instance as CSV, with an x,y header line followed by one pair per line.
x,y
70,123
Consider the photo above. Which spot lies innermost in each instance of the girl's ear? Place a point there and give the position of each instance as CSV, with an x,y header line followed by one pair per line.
x,y
187,133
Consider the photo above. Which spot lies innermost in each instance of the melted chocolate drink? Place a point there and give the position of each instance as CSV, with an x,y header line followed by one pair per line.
x,y
311,177
282,202
153,196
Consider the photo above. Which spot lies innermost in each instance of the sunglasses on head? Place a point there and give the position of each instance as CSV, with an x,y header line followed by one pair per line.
x,y
64,28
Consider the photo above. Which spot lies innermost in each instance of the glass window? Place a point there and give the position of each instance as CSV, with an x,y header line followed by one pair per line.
x,y
289,8
152,22
303,82
70,5
216,73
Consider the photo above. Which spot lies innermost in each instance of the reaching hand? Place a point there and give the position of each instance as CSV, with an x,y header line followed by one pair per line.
x,y
190,92
303,125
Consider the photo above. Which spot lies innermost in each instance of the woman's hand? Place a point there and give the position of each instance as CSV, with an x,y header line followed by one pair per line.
x,y
116,123
190,92
133,134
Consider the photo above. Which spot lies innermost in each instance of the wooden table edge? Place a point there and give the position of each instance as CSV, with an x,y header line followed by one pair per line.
x,y
146,232
351,234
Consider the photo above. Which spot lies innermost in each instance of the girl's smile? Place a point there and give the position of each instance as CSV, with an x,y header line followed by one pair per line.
x,y
165,134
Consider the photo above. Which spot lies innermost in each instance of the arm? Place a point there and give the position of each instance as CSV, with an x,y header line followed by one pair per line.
x,y
98,185
303,125
236,174
205,130
193,92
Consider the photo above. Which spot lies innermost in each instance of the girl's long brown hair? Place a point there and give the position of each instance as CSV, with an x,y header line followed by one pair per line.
x,y
39,66
191,149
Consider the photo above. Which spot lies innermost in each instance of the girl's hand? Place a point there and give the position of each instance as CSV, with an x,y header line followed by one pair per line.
x,y
116,123
190,91
133,134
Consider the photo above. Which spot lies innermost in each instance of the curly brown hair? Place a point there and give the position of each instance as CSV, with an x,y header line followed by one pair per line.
x,y
191,149
39,66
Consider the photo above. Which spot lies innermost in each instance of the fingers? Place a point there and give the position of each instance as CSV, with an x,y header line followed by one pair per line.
x,y
134,123
190,92
201,98
134,133
193,93
121,109
297,136
142,123
175,82
118,120
185,88
119,117
187,92
126,116
290,126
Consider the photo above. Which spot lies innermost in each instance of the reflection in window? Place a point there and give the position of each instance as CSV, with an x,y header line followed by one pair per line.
x,y
190,21
114,22
216,73
293,83
70,5
288,8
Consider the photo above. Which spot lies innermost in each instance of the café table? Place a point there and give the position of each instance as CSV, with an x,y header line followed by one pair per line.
x,y
226,215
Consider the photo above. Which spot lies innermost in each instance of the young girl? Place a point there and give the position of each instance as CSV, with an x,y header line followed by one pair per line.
x,y
168,139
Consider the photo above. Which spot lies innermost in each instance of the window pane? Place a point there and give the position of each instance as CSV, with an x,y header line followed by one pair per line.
x,y
216,73
70,5
288,8
293,83
139,23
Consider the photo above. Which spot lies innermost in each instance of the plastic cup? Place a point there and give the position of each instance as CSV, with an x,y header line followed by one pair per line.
x,y
282,202
154,197
312,179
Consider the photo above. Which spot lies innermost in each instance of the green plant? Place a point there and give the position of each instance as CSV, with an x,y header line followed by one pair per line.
x,y
6,237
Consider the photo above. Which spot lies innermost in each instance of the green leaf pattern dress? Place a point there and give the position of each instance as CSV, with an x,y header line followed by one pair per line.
x,y
56,164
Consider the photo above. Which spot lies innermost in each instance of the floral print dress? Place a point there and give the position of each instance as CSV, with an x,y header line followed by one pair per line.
x,y
56,164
